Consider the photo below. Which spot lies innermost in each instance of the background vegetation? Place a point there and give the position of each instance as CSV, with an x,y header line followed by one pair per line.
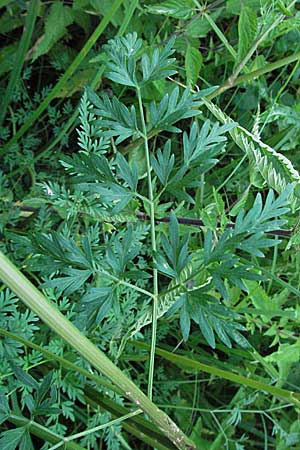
x,y
149,190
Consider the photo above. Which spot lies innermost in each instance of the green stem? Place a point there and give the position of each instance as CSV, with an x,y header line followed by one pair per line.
x,y
42,432
275,278
94,429
226,411
68,73
268,68
220,35
137,425
129,11
125,283
153,244
232,173
254,74
146,429
256,44
50,314
190,364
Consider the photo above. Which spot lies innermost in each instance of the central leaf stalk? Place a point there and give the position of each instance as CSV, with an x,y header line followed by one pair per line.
x,y
153,245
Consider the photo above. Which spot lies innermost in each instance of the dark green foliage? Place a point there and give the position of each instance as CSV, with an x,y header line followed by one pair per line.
x,y
76,218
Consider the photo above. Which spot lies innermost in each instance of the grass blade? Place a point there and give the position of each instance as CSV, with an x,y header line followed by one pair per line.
x,y
20,56
190,364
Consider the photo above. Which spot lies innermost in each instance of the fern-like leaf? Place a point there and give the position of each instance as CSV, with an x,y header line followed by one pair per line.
x,y
113,117
122,53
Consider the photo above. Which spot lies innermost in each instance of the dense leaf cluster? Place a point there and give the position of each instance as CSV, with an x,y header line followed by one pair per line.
x,y
164,199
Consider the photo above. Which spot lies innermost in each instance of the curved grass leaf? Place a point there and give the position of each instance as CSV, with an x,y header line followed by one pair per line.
x,y
194,365
275,168
33,10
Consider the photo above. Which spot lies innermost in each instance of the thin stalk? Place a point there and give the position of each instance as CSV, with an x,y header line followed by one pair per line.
x,y
129,11
273,268
256,44
31,16
233,79
221,411
287,81
50,314
68,73
192,365
254,74
275,278
268,68
125,283
94,429
231,173
41,432
137,426
220,35
281,90
153,244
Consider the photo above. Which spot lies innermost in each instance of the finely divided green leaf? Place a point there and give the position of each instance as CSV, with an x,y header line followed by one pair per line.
x,y
163,164
122,52
172,108
159,64
127,173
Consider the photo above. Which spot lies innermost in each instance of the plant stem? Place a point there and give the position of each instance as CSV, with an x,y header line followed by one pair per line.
x,y
137,425
144,430
42,432
94,429
153,244
232,80
220,35
253,48
51,315
254,74
192,365
125,283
